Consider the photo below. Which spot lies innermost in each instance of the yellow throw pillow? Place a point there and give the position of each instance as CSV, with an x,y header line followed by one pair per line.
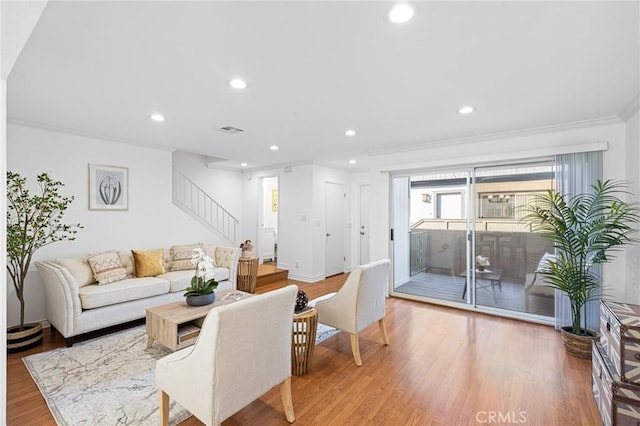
x,y
148,263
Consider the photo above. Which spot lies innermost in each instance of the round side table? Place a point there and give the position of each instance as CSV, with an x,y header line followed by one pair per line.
x,y
247,274
303,340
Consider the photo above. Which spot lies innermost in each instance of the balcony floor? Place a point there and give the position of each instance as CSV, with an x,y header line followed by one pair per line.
x,y
447,287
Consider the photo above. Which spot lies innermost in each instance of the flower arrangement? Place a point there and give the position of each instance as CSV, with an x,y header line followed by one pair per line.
x,y
246,246
482,262
199,283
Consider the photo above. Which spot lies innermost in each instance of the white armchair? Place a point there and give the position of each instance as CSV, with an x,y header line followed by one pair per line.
x,y
244,349
358,304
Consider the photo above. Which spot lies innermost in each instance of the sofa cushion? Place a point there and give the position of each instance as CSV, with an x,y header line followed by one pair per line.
x,y
95,296
148,263
127,262
543,266
181,257
179,280
107,267
79,268
222,256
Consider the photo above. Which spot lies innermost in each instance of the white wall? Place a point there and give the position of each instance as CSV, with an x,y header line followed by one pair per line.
x,y
224,186
322,175
152,221
510,149
632,254
301,216
269,217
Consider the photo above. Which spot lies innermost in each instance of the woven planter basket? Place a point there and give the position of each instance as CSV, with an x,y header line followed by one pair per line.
x,y
578,346
21,340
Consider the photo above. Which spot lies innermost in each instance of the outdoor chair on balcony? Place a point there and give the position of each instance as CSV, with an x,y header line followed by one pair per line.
x,y
535,284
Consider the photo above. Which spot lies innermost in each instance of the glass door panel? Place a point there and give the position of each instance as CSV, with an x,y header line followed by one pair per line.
x,y
507,252
435,235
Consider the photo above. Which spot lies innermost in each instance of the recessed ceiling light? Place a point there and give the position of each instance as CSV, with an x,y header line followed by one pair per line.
x,y
157,117
401,13
467,109
243,164
352,161
274,147
350,132
238,83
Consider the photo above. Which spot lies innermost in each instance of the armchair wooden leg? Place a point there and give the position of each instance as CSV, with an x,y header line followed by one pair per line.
x,y
164,408
285,392
383,331
355,348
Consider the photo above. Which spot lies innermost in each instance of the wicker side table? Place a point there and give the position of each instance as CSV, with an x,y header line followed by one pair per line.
x,y
303,340
247,274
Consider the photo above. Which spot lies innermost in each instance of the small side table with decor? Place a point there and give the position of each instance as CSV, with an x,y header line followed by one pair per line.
x,y
303,340
247,274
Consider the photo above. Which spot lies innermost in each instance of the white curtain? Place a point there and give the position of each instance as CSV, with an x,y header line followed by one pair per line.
x,y
575,173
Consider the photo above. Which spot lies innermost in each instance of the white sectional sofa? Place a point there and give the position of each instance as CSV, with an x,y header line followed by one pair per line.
x,y
77,304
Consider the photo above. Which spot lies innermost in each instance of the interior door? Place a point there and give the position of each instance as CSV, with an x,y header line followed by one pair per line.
x,y
334,198
364,224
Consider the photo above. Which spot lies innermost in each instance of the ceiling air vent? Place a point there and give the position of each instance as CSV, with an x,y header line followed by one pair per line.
x,y
230,129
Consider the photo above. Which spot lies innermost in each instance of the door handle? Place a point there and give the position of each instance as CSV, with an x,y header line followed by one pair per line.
x,y
328,235
361,233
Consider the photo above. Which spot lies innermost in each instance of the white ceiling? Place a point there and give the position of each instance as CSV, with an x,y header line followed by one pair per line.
x,y
317,68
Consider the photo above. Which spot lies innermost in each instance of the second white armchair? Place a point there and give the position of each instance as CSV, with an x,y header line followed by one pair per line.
x,y
358,304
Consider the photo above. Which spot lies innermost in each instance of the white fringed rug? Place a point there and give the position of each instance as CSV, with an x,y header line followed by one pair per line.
x,y
108,380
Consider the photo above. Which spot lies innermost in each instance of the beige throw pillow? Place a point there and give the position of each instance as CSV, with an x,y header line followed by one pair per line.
x,y
79,268
181,257
148,263
107,267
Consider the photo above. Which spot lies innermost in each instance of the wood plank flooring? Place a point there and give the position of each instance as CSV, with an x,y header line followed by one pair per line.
x,y
443,367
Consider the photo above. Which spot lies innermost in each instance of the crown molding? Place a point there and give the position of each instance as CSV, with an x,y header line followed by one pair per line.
x,y
604,121
86,134
631,109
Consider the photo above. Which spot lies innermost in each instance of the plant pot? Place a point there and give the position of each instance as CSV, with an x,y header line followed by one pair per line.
x,y
246,254
578,345
28,337
201,300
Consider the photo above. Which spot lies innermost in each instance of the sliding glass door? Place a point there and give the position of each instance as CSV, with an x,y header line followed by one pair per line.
x,y
459,237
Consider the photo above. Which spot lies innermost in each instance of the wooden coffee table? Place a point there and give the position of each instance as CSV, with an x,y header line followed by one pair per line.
x,y
177,325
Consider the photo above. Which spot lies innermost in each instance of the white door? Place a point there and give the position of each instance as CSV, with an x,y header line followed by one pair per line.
x,y
364,224
334,199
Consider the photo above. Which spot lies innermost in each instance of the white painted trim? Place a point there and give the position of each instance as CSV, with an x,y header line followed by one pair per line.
x,y
306,278
494,158
86,134
604,121
631,109
3,253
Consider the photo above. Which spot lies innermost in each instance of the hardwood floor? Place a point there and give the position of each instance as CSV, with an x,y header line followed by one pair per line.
x,y
443,367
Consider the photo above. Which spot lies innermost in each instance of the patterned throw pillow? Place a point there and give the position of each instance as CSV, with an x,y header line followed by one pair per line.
x,y
148,263
107,267
181,257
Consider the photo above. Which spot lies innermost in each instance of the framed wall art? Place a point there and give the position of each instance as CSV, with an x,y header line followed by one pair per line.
x,y
108,187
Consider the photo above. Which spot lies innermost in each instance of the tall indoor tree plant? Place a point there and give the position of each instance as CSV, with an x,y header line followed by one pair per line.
x,y
33,221
585,230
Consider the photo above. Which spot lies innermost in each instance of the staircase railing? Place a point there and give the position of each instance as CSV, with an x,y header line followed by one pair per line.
x,y
192,199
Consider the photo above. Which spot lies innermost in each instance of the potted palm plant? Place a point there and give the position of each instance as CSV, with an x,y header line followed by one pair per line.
x,y
33,221
585,230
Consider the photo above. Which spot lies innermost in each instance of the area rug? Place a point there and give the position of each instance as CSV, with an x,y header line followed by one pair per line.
x,y
108,380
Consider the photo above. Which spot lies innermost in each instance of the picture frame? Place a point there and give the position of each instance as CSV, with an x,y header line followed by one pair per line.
x,y
108,187
274,200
